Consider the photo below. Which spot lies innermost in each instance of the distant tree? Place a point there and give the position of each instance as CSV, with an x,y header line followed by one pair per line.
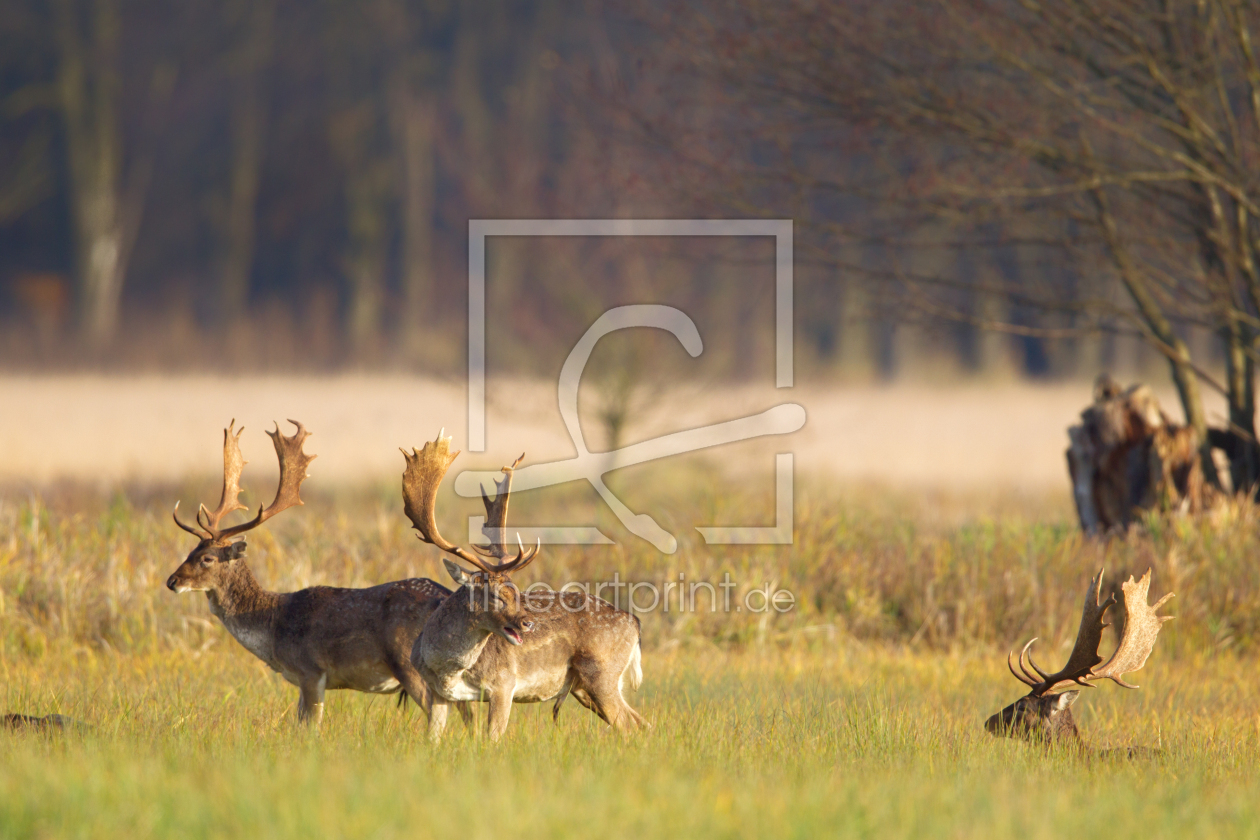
x,y
409,31
1124,133
108,180
246,62
26,172
358,132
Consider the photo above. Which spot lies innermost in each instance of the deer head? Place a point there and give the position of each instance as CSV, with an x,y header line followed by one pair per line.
x,y
1043,719
494,602
1043,715
218,549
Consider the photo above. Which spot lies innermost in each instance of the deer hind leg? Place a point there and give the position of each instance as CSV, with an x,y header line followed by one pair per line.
x,y
615,710
413,685
564,692
604,686
583,696
500,711
572,687
311,700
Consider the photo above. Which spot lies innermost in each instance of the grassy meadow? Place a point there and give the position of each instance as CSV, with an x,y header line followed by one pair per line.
x,y
857,713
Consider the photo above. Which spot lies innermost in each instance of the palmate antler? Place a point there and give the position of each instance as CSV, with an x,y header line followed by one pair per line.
x,y
426,468
1140,631
293,464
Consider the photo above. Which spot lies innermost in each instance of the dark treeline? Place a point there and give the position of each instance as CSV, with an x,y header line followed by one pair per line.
x,y
214,181
227,184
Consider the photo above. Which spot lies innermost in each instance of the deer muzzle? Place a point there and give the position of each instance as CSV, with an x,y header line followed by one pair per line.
x,y
512,635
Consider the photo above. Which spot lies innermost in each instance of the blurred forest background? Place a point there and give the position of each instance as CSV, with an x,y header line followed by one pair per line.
x,y
981,188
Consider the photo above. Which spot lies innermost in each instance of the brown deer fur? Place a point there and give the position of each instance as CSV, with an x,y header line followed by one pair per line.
x,y
322,637
489,641
1044,720
1042,716
318,638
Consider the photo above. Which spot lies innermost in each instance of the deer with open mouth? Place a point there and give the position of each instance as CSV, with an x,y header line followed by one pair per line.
x,y
490,641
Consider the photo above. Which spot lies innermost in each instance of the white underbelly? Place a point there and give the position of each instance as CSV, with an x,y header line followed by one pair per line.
x,y
457,689
539,687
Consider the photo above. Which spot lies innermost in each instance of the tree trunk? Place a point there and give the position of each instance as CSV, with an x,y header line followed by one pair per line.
x,y
1244,459
1161,333
413,125
367,211
366,301
249,126
855,332
105,216
30,178
368,188
995,357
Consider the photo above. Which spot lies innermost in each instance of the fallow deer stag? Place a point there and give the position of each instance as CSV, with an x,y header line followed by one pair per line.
x,y
491,641
318,638
1043,716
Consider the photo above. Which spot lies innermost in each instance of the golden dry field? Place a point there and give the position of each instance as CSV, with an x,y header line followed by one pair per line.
x,y
109,429
857,713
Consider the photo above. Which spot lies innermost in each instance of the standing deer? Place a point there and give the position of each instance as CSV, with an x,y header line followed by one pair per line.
x,y
490,641
1044,717
318,638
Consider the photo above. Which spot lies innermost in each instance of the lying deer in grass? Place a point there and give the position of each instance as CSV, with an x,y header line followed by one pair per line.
x,y
47,723
318,638
491,641
1046,717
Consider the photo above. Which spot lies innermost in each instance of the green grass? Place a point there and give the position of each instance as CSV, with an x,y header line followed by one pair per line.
x,y
798,741
860,714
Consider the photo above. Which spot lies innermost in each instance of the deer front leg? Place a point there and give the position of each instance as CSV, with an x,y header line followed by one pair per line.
x,y
437,717
311,700
413,685
564,692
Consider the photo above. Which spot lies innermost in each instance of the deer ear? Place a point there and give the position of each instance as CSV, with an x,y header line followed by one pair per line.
x,y
457,572
1066,699
235,551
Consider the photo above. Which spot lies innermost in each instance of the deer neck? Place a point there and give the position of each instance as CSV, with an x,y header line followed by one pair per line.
x,y
1064,732
1062,735
247,611
454,637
